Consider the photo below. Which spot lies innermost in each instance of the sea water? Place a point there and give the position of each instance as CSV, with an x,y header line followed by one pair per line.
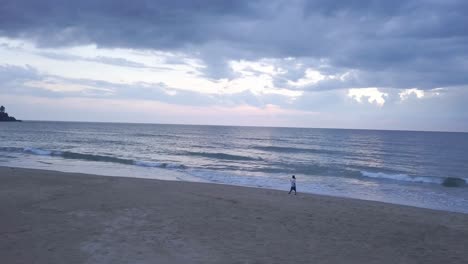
x,y
403,167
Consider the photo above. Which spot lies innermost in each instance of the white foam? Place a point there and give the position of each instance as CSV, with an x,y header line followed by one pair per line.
x,y
148,164
38,151
153,164
402,177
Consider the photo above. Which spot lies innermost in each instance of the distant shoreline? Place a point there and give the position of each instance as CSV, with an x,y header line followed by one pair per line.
x,y
11,120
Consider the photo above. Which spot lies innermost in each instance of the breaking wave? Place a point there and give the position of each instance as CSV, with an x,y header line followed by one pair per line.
x,y
407,178
92,157
305,168
153,164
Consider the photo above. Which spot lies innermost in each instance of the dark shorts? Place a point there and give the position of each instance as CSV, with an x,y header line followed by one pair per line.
x,y
293,188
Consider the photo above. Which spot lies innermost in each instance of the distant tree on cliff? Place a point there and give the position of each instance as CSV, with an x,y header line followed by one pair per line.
x,y
4,115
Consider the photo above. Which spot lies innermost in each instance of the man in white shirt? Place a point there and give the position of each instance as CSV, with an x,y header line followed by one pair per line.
x,y
293,185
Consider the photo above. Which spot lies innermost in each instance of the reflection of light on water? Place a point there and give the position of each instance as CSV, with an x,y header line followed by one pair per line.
x,y
368,150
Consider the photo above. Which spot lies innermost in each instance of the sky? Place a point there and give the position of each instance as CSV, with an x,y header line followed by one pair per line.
x,y
361,64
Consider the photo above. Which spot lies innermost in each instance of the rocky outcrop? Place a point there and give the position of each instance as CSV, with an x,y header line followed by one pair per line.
x,y
4,117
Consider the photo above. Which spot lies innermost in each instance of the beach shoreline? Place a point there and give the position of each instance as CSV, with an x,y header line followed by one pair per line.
x,y
56,217
357,164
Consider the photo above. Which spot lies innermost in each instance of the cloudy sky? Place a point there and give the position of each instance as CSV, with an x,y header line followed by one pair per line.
x,y
325,63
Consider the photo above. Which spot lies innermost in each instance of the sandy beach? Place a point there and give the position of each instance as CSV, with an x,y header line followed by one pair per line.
x,y
55,217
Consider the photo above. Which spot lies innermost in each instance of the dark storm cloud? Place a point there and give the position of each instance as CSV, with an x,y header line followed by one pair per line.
x,y
118,23
400,44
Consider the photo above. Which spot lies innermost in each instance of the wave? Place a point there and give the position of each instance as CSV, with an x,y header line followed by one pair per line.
x,y
407,178
78,156
152,164
304,168
293,150
222,156
151,135
37,151
100,141
92,157
11,149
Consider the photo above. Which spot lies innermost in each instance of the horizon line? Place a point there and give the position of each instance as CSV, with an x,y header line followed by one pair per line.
x,y
252,126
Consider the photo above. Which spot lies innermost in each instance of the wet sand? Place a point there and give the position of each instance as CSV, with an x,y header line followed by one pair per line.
x,y
55,217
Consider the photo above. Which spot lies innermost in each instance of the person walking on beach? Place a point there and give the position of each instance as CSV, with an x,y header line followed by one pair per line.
x,y
293,185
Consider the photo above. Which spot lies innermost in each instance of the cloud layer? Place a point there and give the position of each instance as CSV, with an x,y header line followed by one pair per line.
x,y
403,60
402,44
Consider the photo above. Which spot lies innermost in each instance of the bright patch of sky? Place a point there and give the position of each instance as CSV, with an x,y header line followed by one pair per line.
x,y
413,91
372,95
125,66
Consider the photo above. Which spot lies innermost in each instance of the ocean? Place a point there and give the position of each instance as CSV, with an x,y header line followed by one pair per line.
x,y
401,167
